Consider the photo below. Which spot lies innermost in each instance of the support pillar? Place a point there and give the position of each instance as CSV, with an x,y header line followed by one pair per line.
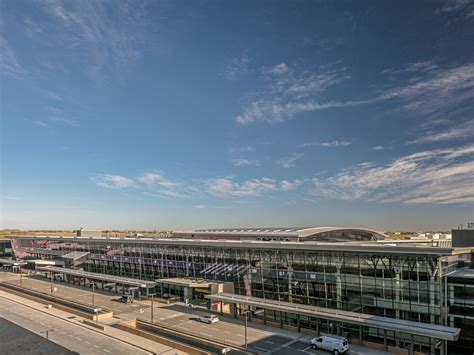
x,y
385,346
298,322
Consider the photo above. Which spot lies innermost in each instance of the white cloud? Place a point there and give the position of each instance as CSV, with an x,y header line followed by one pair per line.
x,y
289,161
378,147
245,162
278,69
424,88
113,181
154,178
287,185
200,206
437,176
329,144
237,67
106,39
335,144
9,64
284,96
228,187
458,132
13,198
463,8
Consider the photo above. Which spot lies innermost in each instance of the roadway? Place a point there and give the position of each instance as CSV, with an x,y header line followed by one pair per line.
x,y
70,335
261,338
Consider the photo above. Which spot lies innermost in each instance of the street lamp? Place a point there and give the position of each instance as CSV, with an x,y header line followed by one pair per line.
x,y
47,332
246,313
151,308
93,294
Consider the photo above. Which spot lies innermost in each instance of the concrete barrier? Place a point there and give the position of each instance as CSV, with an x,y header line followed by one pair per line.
x,y
78,309
131,327
95,325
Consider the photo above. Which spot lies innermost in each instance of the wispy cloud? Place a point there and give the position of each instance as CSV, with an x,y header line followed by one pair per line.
x,y
462,131
289,161
289,93
463,8
157,185
424,88
237,67
106,38
12,198
200,206
329,144
278,69
154,179
9,63
378,147
229,187
64,120
438,176
245,162
113,181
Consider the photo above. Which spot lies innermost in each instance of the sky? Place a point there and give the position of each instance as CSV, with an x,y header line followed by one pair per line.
x,y
200,114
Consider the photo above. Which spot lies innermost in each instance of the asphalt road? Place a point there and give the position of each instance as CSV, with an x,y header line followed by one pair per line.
x,y
104,299
68,335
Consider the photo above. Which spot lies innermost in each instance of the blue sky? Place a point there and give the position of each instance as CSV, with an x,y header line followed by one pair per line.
x,y
178,115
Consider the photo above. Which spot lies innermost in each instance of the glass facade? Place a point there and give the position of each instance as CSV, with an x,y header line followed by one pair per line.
x,y
403,286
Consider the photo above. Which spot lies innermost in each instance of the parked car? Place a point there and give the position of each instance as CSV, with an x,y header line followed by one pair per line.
x,y
208,318
335,344
126,299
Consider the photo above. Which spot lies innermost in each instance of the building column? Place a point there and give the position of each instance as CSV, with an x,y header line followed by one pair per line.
x,y
339,288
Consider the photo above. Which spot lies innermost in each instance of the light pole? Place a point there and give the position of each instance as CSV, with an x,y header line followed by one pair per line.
x,y
93,294
151,308
246,313
51,281
47,332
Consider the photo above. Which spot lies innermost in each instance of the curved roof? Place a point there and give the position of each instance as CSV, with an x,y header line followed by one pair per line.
x,y
300,233
314,231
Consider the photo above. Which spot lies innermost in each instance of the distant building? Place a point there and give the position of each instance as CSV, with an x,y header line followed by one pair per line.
x,y
81,232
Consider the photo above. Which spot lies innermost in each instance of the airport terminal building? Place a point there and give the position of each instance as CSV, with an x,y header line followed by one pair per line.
x,y
349,281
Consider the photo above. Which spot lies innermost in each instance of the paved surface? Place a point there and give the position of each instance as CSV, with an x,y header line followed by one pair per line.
x,y
69,333
104,299
30,344
261,338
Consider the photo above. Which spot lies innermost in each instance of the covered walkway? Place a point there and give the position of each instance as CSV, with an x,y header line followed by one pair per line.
x,y
386,324
105,280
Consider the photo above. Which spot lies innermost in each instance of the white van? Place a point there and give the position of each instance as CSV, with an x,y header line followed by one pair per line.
x,y
338,345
